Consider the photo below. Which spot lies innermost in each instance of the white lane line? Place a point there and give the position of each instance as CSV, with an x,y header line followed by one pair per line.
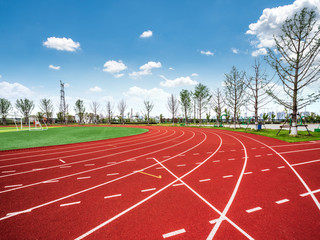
x,y
131,160
79,178
68,204
112,196
180,155
231,159
89,164
282,201
269,154
257,155
148,190
209,152
11,171
196,153
149,158
37,169
159,168
216,161
170,234
205,180
309,193
112,174
50,181
302,163
221,151
166,156
11,186
227,176
246,173
62,161
198,163
65,166
303,150
178,184
253,209
181,165
281,167
265,170
214,221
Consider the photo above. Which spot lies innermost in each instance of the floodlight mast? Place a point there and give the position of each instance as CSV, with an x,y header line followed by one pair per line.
x,y
62,101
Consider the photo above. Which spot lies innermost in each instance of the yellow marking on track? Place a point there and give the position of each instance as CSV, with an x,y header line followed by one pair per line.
x,y
150,175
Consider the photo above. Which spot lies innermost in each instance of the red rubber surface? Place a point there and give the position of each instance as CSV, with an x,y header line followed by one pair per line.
x,y
96,190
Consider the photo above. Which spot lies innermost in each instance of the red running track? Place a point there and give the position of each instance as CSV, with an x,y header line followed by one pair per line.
x,y
214,184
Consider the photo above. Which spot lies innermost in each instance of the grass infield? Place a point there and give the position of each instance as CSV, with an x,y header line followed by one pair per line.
x,y
61,135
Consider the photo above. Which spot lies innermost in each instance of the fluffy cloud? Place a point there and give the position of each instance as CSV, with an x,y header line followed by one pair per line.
x,y
272,19
95,89
208,53
54,67
14,90
234,50
260,51
115,68
146,69
62,44
194,75
170,68
181,81
146,34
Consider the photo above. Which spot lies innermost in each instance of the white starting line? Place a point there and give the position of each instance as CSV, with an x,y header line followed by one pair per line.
x,y
148,190
68,204
265,170
170,234
282,201
80,178
112,174
112,196
253,209
181,165
205,180
228,176
308,193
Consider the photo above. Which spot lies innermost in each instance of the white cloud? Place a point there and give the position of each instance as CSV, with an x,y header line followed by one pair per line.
x,y
194,75
181,81
170,68
95,89
146,34
0,76
272,19
54,67
14,90
66,85
62,44
208,53
235,51
260,51
115,68
146,69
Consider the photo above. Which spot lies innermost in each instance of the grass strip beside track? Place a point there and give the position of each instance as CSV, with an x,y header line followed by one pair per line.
x,y
62,135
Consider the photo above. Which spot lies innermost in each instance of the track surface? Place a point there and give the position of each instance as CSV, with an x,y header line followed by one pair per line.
x,y
214,184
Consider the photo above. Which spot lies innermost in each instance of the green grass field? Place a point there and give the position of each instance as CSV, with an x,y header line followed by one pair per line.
x,y
61,135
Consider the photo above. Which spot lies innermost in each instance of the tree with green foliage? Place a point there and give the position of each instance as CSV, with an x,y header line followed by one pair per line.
x,y
185,102
80,110
25,106
46,108
235,91
202,96
295,61
5,106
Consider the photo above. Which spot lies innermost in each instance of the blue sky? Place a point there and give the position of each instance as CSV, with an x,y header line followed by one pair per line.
x,y
191,42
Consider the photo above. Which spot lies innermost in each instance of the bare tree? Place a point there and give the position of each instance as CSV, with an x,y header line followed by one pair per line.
x,y
46,108
185,101
80,110
173,106
122,105
109,112
235,91
297,67
218,103
148,108
95,106
25,106
202,96
258,84
5,106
